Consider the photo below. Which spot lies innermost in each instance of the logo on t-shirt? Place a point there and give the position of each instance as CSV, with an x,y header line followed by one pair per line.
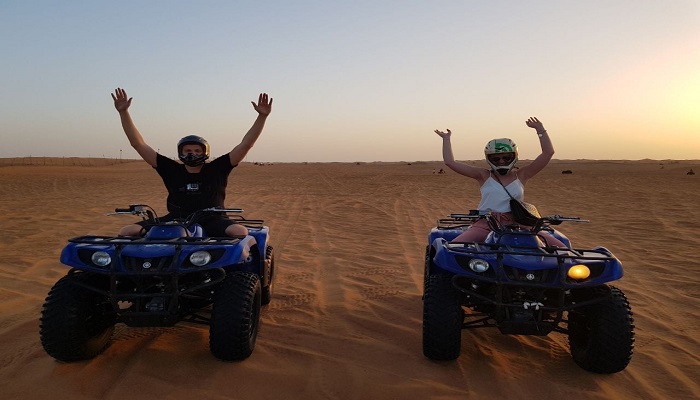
x,y
192,187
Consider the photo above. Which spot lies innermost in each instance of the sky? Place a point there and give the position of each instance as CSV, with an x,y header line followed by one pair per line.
x,y
353,80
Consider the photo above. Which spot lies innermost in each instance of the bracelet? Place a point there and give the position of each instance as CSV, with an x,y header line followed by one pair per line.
x,y
540,133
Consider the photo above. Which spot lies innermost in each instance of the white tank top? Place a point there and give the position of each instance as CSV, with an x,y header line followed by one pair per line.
x,y
495,197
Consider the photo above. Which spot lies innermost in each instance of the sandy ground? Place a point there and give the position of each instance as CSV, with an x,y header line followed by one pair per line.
x,y
345,322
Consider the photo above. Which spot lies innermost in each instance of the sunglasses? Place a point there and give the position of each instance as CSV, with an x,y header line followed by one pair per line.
x,y
506,159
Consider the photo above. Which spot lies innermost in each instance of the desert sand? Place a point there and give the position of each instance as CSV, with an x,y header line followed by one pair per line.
x,y
345,320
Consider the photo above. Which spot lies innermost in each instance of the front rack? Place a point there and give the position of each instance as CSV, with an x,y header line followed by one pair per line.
x,y
502,249
126,240
455,221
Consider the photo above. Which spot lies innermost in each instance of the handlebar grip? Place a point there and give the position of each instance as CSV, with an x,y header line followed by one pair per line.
x,y
122,210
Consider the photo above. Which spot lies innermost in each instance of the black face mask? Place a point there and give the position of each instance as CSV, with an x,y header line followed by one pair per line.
x,y
192,160
502,171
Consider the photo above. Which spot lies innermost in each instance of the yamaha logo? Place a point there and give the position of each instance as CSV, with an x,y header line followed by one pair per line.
x,y
530,277
146,265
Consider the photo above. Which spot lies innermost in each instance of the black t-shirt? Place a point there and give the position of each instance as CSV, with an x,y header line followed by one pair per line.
x,y
189,192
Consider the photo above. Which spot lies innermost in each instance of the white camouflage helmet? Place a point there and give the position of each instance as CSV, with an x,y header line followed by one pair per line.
x,y
501,146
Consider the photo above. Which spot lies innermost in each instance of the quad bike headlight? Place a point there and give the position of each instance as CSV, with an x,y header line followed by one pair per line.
x,y
101,259
478,265
200,258
579,272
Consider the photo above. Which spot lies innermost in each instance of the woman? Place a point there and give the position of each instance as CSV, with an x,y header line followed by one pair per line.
x,y
501,156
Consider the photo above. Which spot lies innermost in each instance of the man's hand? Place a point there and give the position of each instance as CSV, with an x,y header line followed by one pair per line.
x,y
442,134
264,107
121,101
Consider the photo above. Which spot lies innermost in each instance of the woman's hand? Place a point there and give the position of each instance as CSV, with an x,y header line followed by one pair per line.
x,y
444,135
535,124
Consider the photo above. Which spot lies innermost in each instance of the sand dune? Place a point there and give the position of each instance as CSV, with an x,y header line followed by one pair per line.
x,y
345,321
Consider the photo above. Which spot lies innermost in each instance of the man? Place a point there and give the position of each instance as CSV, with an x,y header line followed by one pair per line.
x,y
193,184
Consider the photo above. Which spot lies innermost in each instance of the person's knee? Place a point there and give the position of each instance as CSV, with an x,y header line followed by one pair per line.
x,y
475,233
236,230
131,230
552,241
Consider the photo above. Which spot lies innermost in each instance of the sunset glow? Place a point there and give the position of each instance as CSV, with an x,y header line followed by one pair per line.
x,y
364,81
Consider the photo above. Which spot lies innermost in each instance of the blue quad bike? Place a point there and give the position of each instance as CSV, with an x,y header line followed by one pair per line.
x,y
175,273
514,282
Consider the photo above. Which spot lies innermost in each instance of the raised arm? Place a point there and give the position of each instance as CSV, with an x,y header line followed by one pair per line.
x,y
480,174
545,156
263,107
122,103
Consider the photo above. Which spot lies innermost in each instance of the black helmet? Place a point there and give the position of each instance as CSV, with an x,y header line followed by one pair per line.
x,y
191,159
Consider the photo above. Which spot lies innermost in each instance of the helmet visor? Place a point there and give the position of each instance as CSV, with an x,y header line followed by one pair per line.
x,y
193,160
501,158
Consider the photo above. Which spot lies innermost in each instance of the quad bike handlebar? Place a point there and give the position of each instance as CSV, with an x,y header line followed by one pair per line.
x,y
143,210
460,219
147,213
